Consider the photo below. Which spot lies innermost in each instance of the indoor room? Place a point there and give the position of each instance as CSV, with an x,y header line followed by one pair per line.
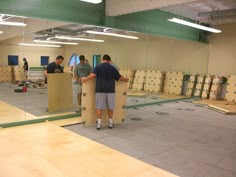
x,y
174,117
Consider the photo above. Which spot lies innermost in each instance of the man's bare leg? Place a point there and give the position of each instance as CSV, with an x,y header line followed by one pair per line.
x,y
99,120
110,115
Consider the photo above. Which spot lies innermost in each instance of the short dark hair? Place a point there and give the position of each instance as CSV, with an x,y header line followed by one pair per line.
x,y
81,57
24,59
60,57
106,57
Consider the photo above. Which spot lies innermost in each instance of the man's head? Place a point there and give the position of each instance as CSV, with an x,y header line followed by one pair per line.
x,y
82,59
59,59
106,58
24,59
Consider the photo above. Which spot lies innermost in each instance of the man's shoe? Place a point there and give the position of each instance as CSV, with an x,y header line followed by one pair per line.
x,y
98,127
110,125
78,110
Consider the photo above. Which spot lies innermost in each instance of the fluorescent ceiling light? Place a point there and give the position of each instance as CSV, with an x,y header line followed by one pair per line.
x,y
112,34
0,32
194,25
78,39
12,23
92,1
55,42
38,45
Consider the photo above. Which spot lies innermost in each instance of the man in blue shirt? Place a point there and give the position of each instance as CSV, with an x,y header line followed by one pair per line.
x,y
105,75
54,67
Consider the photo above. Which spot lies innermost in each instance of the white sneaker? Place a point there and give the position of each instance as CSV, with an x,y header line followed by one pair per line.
x,y
98,127
78,110
110,125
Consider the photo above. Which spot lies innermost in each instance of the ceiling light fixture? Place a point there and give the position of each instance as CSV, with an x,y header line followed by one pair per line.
x,y
111,34
12,23
1,32
55,42
194,25
38,45
92,1
77,38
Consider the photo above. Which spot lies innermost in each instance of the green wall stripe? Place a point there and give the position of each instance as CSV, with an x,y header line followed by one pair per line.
x,y
36,68
153,22
13,124
75,11
161,102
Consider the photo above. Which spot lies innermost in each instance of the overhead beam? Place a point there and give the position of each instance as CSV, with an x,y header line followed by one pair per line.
x,y
122,7
228,12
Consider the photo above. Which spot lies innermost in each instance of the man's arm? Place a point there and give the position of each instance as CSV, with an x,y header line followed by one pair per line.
x,y
122,78
89,77
45,72
76,74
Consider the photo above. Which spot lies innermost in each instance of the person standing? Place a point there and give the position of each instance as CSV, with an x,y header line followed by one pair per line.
x,y
105,75
82,69
54,67
26,68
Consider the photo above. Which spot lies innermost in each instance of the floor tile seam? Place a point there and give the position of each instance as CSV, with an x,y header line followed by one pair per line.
x,y
195,121
175,146
205,174
222,168
217,163
99,138
179,145
198,161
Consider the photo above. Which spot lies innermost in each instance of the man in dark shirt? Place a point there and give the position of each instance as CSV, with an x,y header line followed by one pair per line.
x,y
54,67
105,75
26,68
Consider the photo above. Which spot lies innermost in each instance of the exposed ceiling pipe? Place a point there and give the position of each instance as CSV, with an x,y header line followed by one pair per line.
x,y
214,17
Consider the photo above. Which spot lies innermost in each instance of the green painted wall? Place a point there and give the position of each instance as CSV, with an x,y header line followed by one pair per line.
x,y
75,11
150,22
153,22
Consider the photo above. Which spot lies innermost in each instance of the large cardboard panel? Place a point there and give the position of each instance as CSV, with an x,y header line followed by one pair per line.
x,y
231,89
88,103
128,73
154,81
216,88
191,85
173,83
139,80
207,87
18,73
5,73
59,91
199,85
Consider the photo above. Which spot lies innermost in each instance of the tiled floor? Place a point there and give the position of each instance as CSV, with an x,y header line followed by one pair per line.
x,y
180,137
